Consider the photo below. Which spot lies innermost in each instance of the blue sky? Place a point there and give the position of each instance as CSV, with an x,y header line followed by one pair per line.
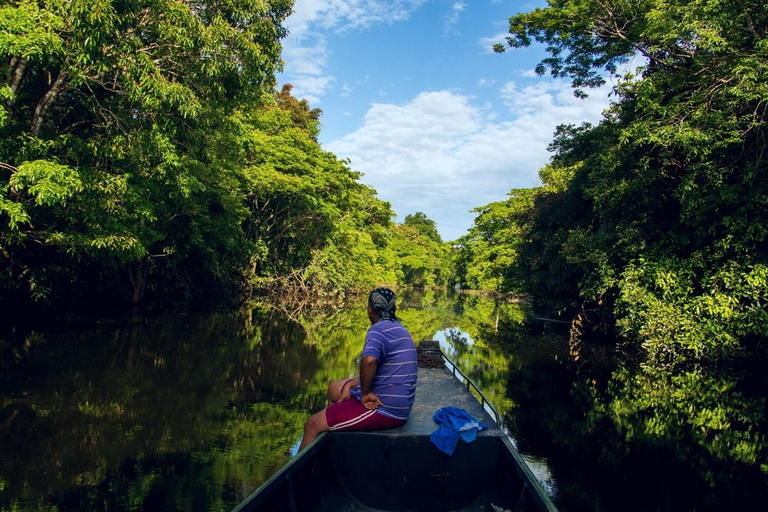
x,y
414,97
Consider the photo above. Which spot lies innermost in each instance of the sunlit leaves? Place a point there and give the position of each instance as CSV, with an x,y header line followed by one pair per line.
x,y
29,31
104,142
48,183
421,259
486,254
312,220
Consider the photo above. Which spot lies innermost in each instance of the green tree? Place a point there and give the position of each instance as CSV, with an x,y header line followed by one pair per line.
x,y
424,225
314,226
421,258
101,106
674,180
303,116
486,254
658,225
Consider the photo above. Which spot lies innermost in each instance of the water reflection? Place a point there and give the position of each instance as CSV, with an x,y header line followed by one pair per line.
x,y
182,413
195,412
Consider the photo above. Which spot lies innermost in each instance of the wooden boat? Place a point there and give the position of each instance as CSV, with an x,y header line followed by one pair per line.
x,y
401,470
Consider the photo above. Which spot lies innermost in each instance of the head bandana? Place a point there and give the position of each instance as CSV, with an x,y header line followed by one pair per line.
x,y
382,302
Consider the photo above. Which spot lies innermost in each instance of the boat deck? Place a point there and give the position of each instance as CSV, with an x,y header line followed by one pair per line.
x,y
436,388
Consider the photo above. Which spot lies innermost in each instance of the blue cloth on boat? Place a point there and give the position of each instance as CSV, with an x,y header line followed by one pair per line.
x,y
454,423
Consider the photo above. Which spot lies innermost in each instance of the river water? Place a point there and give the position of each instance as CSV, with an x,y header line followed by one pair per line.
x,y
194,412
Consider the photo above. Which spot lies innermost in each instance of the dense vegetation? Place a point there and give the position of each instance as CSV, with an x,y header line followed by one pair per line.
x,y
146,157
652,225
656,218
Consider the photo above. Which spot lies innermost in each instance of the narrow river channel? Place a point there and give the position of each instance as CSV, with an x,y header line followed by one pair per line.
x,y
194,412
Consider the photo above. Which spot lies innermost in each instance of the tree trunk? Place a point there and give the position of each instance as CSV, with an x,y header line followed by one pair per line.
x,y
138,279
15,80
45,103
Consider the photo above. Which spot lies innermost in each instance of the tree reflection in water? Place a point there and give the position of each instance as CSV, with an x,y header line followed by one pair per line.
x,y
194,412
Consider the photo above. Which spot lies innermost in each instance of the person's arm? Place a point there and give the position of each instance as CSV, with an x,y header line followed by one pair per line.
x,y
367,372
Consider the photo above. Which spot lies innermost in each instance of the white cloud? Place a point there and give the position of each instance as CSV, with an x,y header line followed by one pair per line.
x,y
305,51
443,155
341,15
312,87
486,82
453,17
305,66
348,88
306,60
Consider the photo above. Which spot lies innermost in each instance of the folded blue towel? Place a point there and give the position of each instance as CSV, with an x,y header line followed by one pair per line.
x,y
454,423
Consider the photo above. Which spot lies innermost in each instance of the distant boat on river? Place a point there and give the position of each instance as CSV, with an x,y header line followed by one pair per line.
x,y
401,470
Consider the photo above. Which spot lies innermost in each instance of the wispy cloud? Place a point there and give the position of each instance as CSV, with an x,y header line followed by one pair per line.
x,y
486,43
444,155
348,88
305,50
485,82
341,15
453,17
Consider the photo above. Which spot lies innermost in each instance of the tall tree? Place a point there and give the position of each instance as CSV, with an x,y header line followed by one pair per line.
x,y
422,259
673,181
660,227
101,105
424,225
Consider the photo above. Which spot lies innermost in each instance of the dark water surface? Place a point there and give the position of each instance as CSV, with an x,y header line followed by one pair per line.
x,y
195,412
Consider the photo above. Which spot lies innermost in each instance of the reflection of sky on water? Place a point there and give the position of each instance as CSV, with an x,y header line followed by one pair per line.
x,y
295,447
540,470
444,337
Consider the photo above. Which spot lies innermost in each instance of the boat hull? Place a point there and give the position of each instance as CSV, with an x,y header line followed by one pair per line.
x,y
371,471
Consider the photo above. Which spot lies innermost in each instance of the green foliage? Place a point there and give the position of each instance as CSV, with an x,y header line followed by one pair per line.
x,y
486,254
683,318
424,225
303,117
421,258
351,260
315,227
146,157
654,222
105,105
669,183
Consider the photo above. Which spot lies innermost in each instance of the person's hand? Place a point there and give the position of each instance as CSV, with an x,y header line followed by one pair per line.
x,y
370,401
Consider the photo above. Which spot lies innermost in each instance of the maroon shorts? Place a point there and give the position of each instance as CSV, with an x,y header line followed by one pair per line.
x,y
352,415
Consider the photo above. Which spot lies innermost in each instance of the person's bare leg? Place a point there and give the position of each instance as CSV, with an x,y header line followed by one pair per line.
x,y
334,388
316,424
335,394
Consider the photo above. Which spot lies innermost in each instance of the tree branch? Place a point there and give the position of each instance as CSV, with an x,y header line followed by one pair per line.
x,y
8,167
45,103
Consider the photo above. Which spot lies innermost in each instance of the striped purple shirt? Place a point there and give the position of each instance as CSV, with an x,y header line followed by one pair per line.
x,y
395,381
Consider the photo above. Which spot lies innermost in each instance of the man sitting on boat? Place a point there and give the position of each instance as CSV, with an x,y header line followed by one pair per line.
x,y
382,397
